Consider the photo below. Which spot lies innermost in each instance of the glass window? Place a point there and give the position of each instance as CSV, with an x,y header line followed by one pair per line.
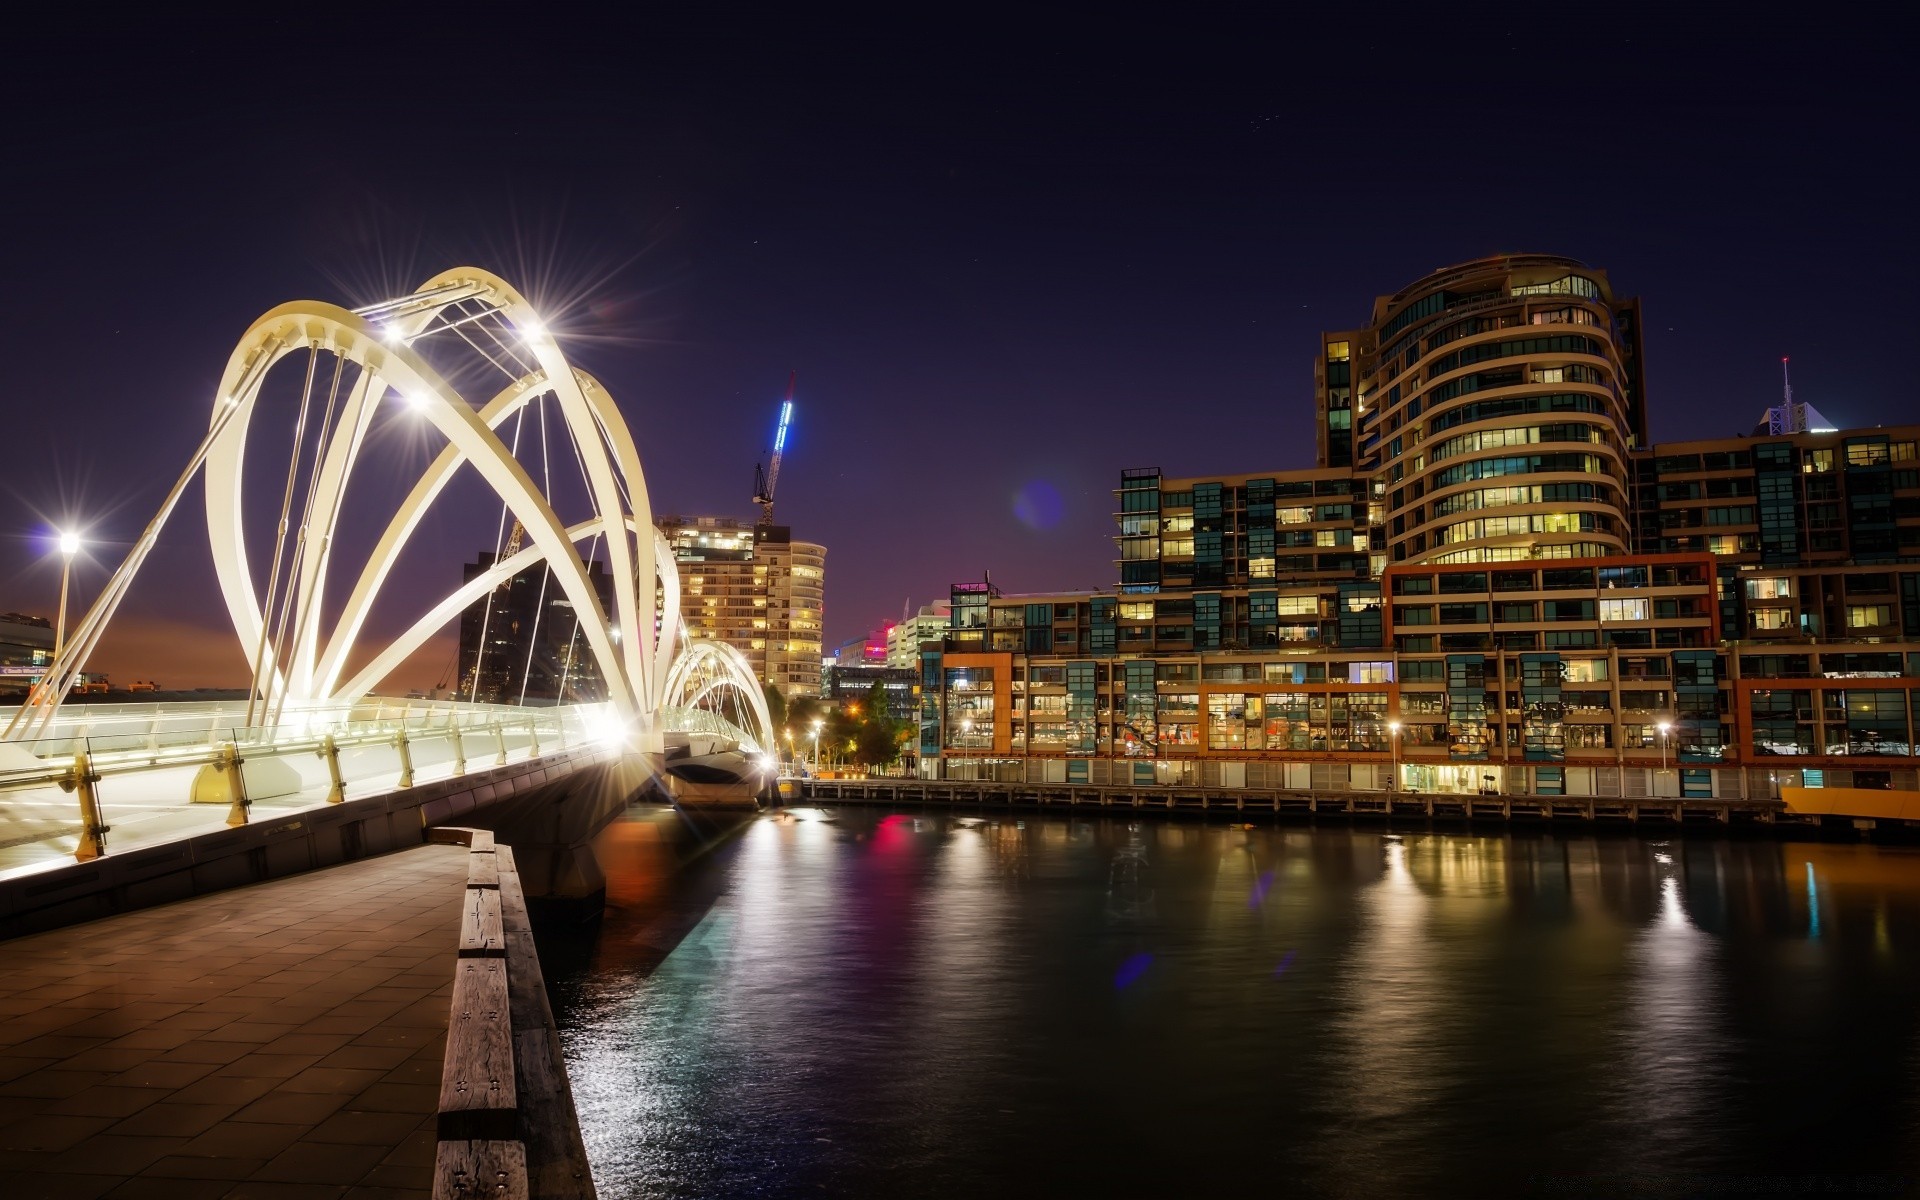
x,y
1338,352
1623,610
1869,616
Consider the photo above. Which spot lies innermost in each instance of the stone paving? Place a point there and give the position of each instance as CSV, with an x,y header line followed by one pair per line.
x,y
276,1041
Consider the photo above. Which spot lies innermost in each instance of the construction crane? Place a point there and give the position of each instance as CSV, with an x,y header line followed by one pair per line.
x,y
764,478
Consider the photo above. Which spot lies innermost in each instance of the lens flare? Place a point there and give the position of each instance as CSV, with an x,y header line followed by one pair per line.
x,y
1038,505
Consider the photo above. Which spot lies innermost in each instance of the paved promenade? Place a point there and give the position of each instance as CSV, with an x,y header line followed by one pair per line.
x,y
281,1040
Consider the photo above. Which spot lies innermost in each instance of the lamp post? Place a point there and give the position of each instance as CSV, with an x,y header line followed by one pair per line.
x,y
69,546
816,746
1665,727
1393,738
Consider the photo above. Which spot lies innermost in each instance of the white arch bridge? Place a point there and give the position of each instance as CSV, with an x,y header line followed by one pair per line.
x,y
326,400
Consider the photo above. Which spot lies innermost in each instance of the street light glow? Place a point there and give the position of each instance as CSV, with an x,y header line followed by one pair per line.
x,y
69,543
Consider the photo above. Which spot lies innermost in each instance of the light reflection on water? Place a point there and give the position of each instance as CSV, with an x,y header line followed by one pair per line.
x,y
868,1003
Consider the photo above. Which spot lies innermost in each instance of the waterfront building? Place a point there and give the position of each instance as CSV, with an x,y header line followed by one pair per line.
x,y
847,682
522,642
26,647
1490,583
904,637
757,589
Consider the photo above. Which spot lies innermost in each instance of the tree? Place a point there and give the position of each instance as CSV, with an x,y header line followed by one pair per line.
x,y
875,745
776,703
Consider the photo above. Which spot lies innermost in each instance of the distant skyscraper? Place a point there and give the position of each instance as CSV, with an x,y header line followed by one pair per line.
x,y
903,640
523,640
758,590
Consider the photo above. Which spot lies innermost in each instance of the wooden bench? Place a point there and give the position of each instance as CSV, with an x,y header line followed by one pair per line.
x,y
506,1126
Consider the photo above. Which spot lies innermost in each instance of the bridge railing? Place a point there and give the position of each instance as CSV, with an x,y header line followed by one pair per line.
x,y
162,760
703,720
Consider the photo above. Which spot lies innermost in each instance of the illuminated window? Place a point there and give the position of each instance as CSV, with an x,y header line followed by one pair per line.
x,y
1298,606
1772,618
1724,543
1136,610
1769,588
1623,610
1338,352
1817,462
1586,670
1869,616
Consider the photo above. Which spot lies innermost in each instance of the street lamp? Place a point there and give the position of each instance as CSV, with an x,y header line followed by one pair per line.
x,y
69,546
816,746
1393,737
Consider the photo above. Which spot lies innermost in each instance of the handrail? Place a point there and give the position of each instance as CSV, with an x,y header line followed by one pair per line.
x,y
136,742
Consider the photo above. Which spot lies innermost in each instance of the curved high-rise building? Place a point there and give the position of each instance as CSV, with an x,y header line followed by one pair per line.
x,y
1493,406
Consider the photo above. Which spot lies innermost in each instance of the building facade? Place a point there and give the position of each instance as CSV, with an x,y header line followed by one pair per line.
x,y
1491,583
904,637
757,589
522,642
851,683
26,649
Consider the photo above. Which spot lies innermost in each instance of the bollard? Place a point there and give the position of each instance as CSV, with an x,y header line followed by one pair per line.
x,y
459,748
406,757
500,736
227,763
93,834
330,751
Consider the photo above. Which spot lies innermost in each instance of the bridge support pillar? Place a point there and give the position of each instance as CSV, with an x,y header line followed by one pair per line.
x,y
220,782
337,791
93,832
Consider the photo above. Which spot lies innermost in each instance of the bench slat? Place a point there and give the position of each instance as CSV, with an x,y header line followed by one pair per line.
x,y
481,934
468,1169
478,1099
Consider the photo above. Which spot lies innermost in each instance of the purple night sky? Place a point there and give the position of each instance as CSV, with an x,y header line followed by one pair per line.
x,y
1007,262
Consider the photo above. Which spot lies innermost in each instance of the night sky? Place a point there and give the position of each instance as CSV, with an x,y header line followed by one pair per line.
x,y
1008,259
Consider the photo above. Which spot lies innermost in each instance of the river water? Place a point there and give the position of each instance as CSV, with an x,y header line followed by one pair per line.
x,y
858,1002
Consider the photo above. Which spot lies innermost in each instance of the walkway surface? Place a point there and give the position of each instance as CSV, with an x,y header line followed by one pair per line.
x,y
277,1041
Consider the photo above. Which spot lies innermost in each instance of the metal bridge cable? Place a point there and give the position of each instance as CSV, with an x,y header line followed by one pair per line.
x,y
506,348
573,639
283,674
296,573
593,549
320,561
280,541
60,675
462,335
499,538
540,605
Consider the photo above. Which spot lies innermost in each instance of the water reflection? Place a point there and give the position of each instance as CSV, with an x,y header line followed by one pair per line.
x,y
858,1002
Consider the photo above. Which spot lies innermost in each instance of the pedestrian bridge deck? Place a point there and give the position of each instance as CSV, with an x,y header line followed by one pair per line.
x,y
283,1039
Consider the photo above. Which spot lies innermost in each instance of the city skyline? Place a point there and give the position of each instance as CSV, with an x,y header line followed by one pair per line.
x,y
1170,243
